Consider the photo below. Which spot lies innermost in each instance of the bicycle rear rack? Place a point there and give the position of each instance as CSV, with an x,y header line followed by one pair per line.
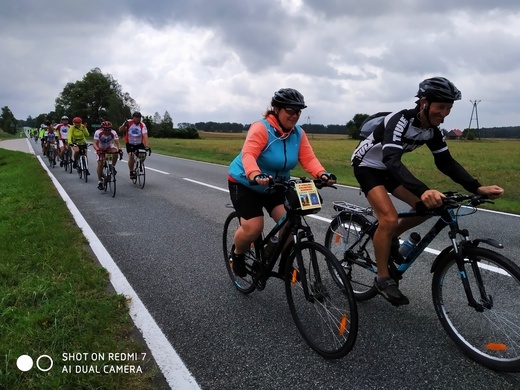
x,y
352,208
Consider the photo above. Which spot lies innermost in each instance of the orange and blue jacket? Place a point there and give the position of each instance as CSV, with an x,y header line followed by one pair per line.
x,y
271,151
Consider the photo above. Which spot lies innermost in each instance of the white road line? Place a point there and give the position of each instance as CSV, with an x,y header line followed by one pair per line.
x,y
176,373
152,169
206,185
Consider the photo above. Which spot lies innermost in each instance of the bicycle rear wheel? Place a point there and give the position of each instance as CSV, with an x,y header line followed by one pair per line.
x,y
246,284
489,335
348,240
323,310
141,174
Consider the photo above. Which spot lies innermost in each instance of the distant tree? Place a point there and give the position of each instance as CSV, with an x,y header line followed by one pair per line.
x,y
157,118
8,122
95,98
354,125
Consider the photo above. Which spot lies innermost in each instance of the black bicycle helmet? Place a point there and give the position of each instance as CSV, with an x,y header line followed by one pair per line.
x,y
137,114
288,97
438,89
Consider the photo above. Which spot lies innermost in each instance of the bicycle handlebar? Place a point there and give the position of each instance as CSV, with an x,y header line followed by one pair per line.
x,y
451,201
281,183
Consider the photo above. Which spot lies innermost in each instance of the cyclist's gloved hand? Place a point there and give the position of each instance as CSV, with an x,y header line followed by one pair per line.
x,y
262,179
148,149
328,178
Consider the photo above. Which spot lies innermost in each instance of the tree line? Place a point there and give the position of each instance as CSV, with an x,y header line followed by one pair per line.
x,y
98,97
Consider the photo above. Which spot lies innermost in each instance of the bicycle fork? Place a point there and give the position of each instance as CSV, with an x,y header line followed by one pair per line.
x,y
486,300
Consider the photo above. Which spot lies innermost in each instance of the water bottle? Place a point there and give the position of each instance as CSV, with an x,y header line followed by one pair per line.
x,y
271,246
408,245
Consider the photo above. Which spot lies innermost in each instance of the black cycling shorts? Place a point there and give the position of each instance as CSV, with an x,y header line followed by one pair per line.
x,y
369,178
133,148
249,203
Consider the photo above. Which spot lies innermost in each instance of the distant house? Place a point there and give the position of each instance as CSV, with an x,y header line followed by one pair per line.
x,y
454,134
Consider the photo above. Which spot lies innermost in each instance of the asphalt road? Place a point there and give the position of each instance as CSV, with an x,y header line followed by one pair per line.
x,y
166,239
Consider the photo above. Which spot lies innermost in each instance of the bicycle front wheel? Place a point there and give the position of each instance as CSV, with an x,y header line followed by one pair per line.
x,y
141,174
489,333
84,167
348,240
323,310
112,181
244,284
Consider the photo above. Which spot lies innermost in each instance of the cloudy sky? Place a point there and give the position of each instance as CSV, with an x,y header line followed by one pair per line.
x,y
221,60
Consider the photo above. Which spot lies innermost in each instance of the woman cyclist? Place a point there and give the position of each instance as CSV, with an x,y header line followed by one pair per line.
x,y
273,146
379,170
77,135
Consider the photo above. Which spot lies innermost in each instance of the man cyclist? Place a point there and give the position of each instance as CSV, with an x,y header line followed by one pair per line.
x,y
43,129
106,140
379,170
136,137
77,136
62,129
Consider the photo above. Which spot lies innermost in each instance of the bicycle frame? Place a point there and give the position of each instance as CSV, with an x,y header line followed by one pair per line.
x,y
446,218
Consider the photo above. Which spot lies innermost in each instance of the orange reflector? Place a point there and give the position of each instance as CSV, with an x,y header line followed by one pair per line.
x,y
338,237
343,325
294,278
496,346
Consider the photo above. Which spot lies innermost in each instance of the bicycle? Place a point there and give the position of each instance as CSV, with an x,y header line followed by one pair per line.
x,y
67,158
324,311
109,172
139,168
475,290
82,162
51,154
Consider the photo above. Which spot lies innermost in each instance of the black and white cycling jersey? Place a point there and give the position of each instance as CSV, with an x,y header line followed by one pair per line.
x,y
400,133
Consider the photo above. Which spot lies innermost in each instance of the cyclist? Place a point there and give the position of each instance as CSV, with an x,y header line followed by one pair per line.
x,y
77,135
51,140
136,137
106,140
273,146
43,129
379,170
62,129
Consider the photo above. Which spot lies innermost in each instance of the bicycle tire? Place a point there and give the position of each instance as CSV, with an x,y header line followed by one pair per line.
x,y
136,162
84,164
50,155
141,174
358,260
327,319
246,284
112,181
490,337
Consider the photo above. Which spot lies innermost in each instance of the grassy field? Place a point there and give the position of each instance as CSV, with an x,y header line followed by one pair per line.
x,y
491,161
54,297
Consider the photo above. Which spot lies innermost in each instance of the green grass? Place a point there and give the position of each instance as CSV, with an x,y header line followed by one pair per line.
x,y
491,161
54,297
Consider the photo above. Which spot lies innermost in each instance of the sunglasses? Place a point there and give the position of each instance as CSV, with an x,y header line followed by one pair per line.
x,y
292,111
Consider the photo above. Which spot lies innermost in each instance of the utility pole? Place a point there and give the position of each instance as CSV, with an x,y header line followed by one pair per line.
x,y
474,113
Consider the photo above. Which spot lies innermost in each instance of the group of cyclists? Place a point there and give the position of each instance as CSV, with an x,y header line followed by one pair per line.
x,y
105,140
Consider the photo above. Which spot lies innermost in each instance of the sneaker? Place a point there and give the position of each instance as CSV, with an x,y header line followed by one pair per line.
x,y
61,164
388,289
88,173
239,264
74,165
132,175
100,186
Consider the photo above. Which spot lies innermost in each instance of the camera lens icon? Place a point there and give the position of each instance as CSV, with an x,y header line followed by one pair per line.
x,y
25,363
